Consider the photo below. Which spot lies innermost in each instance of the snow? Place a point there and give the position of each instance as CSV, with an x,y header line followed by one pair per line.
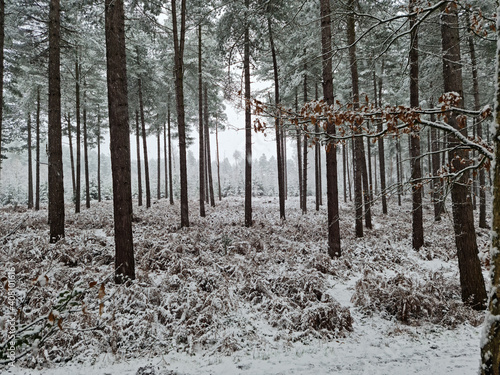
x,y
219,298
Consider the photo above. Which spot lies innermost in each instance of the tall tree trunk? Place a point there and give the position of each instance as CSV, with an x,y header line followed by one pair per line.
x,y
119,139
86,152
78,137
398,170
158,164
218,159
248,124
490,344
30,166
98,155
277,125
344,170
37,167
138,144
366,187
334,249
179,90
304,156
2,38
170,172
56,182
144,141
208,152
317,160
299,154
320,184
200,130
471,278
72,160
416,171
437,191
165,157
381,149
358,147
479,130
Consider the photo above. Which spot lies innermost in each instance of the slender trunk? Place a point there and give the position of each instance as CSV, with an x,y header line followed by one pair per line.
x,y
299,155
200,131
366,187
398,169
86,152
248,125
416,171
158,163
179,39
344,170
119,139
334,249
490,343
471,277
165,157
381,149
170,172
30,167
304,157
138,144
358,148
98,155
208,153
320,184
2,38
37,167
144,146
70,139
56,181
78,138
218,159
277,125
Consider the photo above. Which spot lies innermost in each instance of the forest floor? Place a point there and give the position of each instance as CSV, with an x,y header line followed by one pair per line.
x,y
219,298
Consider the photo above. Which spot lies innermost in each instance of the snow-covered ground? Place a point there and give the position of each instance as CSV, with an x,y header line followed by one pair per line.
x,y
219,298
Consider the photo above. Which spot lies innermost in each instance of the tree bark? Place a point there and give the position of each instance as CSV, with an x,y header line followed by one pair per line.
x,y
78,138
277,125
200,130
119,139
304,155
381,148
490,350
56,182
218,159
170,172
165,157
179,39
98,155
37,167
208,152
416,171
299,154
334,249
158,164
248,123
30,166
138,144
144,140
471,277
86,152
398,170
71,157
2,39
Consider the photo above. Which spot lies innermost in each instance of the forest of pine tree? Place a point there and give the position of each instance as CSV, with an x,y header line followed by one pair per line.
x,y
304,186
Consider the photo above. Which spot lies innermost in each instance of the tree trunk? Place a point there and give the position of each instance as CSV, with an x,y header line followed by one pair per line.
x,y
218,159
98,155
138,144
416,171
248,125
304,156
30,167
334,249
299,154
381,149
158,163
2,38
70,139
78,138
208,152
490,350
86,152
471,278
179,90
437,186
398,170
277,125
165,157
344,170
170,172
56,181
119,139
144,143
358,147
37,167
200,130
